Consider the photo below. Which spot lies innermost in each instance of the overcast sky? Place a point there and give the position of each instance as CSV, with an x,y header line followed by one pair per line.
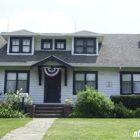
x,y
101,16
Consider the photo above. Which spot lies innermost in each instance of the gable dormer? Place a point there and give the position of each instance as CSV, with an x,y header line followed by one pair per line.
x,y
86,43
19,42
24,42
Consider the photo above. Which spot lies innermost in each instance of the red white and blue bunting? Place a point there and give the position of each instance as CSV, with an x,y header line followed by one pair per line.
x,y
51,72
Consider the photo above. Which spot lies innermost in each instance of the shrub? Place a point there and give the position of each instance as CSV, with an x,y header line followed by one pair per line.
x,y
120,111
14,99
91,103
10,108
129,101
137,113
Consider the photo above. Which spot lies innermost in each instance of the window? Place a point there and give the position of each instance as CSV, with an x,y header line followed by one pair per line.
x,y
46,44
20,44
15,80
60,44
81,79
85,45
130,82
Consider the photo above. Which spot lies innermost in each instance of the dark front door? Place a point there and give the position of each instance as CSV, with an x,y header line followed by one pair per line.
x,y
52,91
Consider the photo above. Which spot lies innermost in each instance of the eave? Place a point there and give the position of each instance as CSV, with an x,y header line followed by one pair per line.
x,y
52,58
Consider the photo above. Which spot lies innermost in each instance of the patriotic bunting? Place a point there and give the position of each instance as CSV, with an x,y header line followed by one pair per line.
x,y
51,72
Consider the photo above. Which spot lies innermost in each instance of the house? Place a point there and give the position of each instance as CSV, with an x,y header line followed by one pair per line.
x,y
52,67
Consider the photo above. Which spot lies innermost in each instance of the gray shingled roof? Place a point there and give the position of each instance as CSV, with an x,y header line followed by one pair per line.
x,y
84,32
2,42
39,55
117,50
120,50
19,32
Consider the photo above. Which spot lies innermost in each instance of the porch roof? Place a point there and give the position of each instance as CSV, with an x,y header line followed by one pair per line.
x,y
52,58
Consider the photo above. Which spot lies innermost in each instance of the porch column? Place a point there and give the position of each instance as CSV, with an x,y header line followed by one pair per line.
x,y
65,77
39,75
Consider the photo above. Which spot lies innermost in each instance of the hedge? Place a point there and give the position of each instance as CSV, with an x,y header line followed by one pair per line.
x,y
129,101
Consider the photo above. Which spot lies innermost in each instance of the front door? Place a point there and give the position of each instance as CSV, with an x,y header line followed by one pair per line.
x,y
52,89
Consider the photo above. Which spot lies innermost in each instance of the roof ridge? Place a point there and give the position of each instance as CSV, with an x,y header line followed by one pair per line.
x,y
84,31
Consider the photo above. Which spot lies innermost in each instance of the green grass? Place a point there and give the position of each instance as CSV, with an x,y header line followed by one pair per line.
x,y
91,129
6,125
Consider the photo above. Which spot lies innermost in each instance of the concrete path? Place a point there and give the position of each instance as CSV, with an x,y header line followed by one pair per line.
x,y
34,130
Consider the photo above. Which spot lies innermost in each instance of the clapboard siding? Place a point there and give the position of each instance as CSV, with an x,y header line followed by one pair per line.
x,y
36,91
105,75
108,82
2,76
67,91
37,43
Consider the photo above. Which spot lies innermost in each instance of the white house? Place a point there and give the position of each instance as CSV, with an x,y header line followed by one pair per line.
x,y
52,67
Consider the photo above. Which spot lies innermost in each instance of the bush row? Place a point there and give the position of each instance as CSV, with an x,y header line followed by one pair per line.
x,y
93,104
129,101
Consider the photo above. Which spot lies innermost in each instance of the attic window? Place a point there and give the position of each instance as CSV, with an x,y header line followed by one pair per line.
x,y
60,44
20,44
85,46
46,44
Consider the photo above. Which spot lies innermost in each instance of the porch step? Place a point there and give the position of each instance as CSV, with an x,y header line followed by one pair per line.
x,y
49,111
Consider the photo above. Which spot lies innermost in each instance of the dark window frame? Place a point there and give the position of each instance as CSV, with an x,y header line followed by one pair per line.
x,y
17,72
44,41
20,44
60,40
132,87
84,72
85,46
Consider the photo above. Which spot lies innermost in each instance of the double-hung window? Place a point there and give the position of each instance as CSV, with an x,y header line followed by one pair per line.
x,y
85,45
82,78
20,44
46,44
15,80
60,44
130,82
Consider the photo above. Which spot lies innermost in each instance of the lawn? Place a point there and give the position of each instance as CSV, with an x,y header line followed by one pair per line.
x,y
91,129
6,125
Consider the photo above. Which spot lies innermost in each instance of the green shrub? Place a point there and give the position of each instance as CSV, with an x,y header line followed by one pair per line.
x,y
129,101
10,108
91,103
137,113
120,111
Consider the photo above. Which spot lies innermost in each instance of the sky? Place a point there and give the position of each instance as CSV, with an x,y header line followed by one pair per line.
x,y
67,16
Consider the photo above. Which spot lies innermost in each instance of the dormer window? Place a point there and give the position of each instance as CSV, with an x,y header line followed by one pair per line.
x,y
46,44
20,44
60,44
85,45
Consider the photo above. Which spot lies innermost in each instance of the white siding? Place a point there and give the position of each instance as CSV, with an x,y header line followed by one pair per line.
x,y
38,43
36,91
108,82
67,91
2,75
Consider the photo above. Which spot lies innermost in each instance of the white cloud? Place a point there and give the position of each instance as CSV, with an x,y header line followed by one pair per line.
x,y
38,20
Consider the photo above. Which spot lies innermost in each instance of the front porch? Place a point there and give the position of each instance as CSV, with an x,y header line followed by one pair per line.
x,y
51,89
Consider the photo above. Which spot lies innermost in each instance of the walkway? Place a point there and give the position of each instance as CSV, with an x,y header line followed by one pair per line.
x,y
34,130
